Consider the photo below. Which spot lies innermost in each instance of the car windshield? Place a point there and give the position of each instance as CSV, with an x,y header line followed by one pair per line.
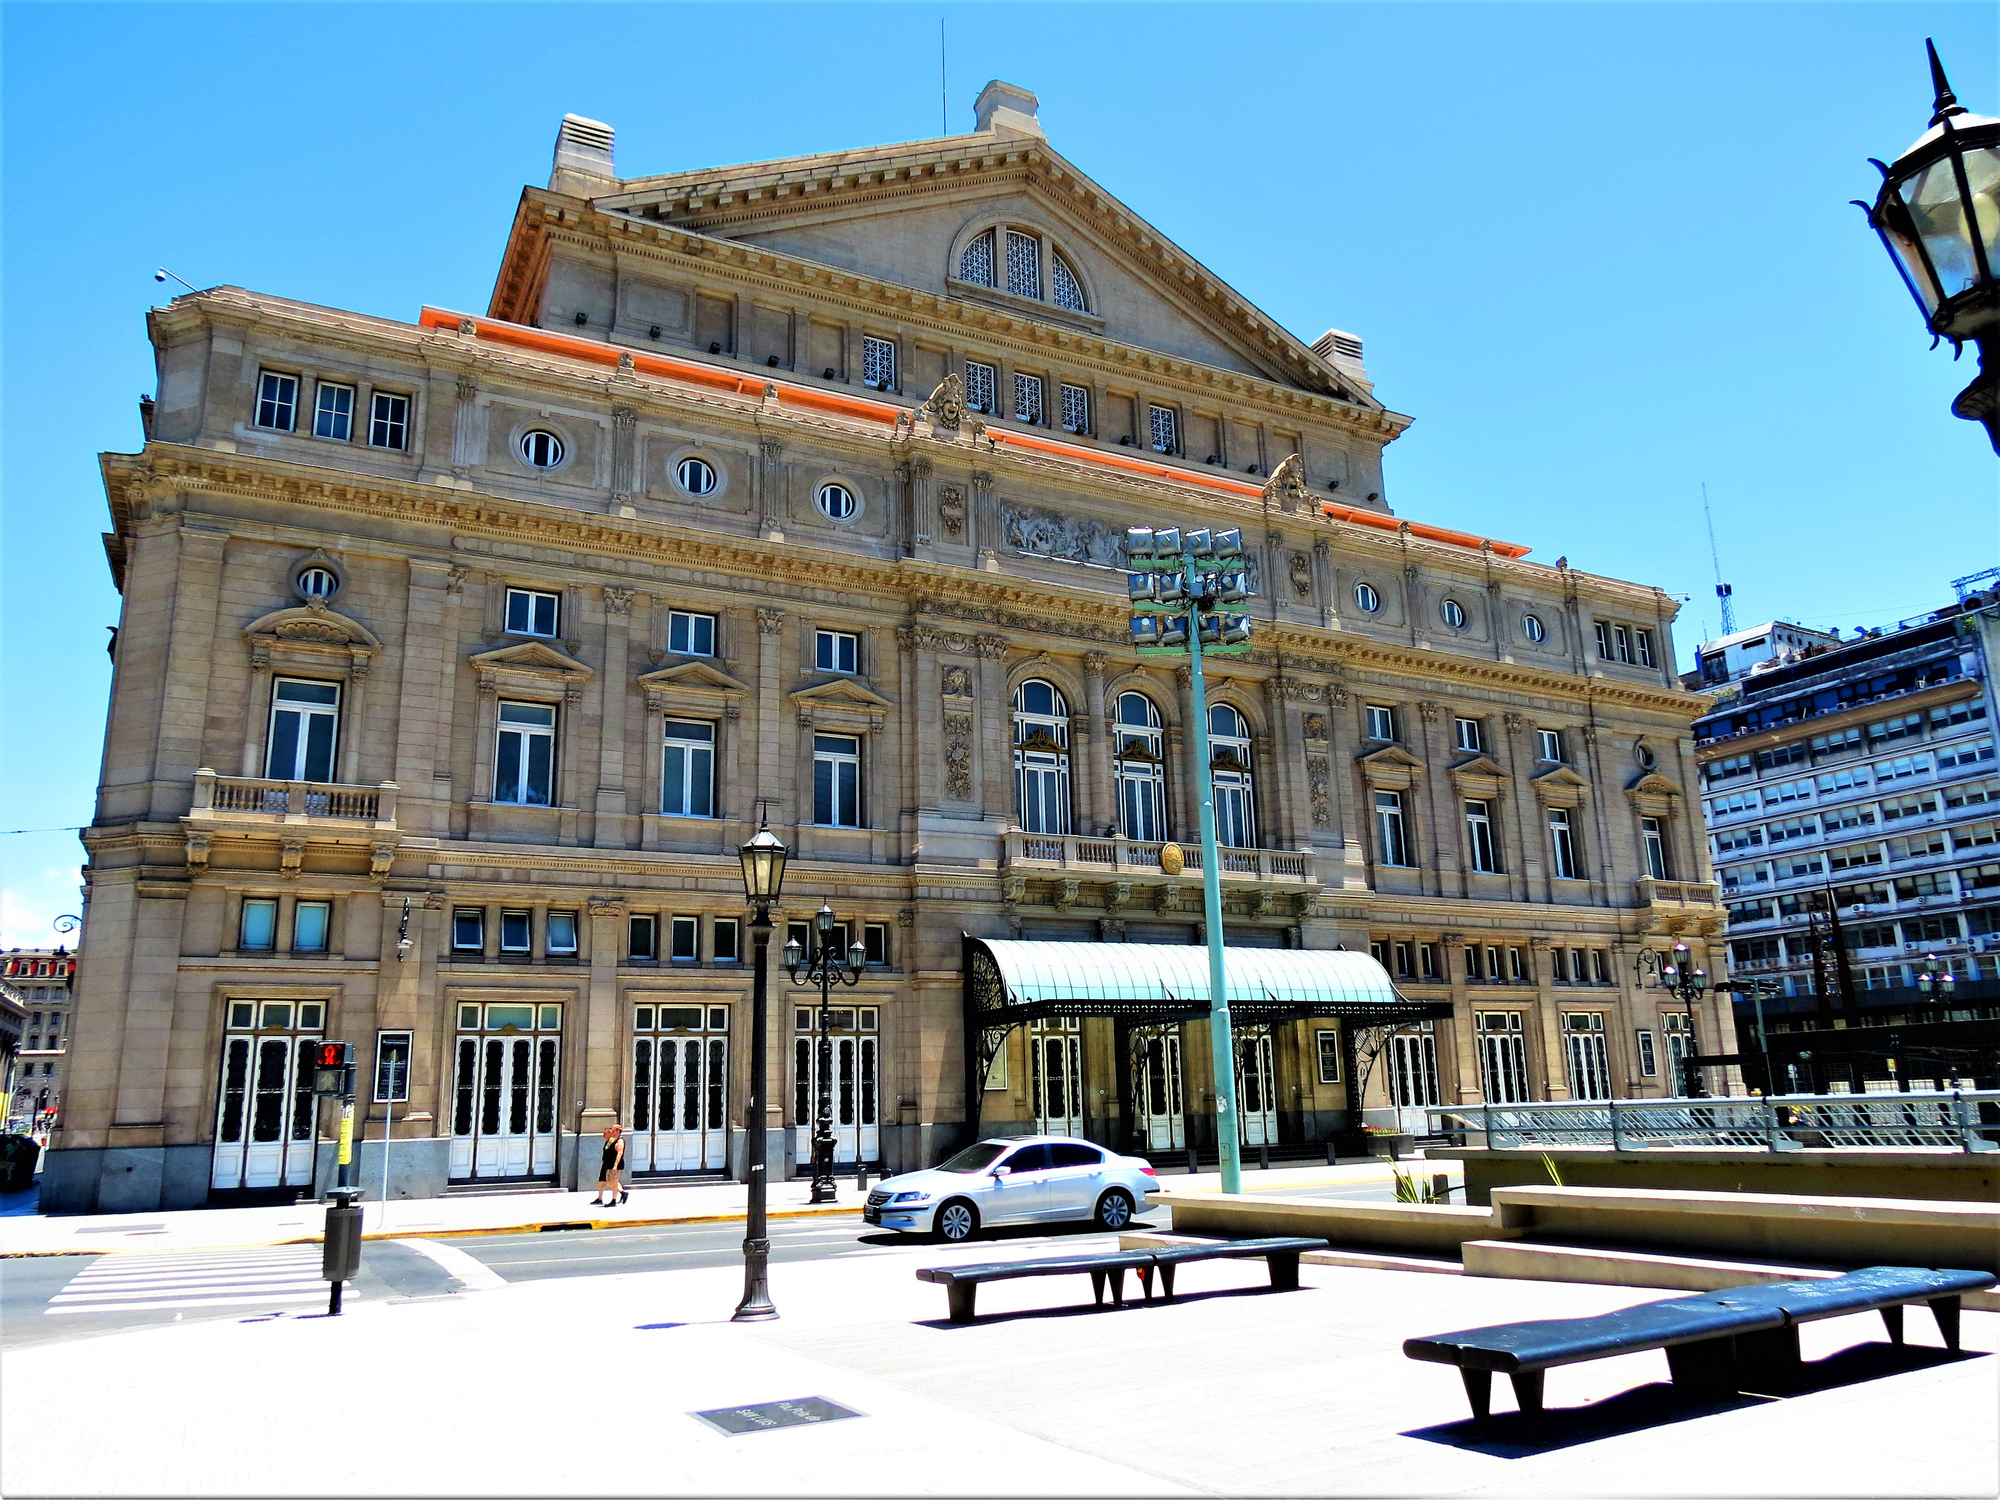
x,y
975,1158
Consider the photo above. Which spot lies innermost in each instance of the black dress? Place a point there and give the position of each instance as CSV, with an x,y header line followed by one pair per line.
x,y
610,1162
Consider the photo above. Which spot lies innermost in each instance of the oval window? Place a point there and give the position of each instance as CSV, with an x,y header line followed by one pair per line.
x,y
1367,598
541,449
317,583
836,501
1454,614
1533,628
695,476
1643,754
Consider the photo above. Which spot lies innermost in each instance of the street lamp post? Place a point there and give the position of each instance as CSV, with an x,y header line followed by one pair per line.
x,y
763,860
826,968
1938,213
1936,978
1674,973
1182,587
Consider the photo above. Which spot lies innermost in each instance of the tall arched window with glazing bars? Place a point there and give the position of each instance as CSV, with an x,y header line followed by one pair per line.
x,y
1136,749
1229,761
976,264
1041,757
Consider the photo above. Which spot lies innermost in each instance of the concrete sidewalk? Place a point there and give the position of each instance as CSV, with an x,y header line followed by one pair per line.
x,y
504,1213
1231,1389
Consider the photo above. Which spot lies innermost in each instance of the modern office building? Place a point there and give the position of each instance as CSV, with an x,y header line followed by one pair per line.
x,y
460,654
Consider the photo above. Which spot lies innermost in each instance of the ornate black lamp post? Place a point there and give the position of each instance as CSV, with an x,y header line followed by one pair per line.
x,y
763,881
1675,974
1939,215
828,967
1936,978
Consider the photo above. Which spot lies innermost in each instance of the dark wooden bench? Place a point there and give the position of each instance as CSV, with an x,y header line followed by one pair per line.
x,y
1699,1333
1281,1254
1107,1268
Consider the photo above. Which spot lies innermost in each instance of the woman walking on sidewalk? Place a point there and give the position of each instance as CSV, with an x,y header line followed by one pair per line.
x,y
609,1194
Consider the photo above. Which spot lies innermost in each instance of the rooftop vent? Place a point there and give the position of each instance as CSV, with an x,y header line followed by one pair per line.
x,y
1006,109
1343,352
583,164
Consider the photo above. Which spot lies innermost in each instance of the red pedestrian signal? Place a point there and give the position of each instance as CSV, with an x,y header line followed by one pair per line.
x,y
330,1054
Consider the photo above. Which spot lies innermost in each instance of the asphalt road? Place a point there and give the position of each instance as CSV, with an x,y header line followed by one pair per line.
x,y
49,1298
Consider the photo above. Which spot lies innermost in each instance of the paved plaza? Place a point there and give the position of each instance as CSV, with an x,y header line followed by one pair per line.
x,y
1232,1389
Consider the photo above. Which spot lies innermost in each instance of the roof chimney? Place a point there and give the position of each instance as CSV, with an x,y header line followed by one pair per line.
x,y
583,158
1005,109
1343,352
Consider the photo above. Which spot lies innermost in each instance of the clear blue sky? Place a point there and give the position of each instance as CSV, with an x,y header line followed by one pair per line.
x,y
1601,253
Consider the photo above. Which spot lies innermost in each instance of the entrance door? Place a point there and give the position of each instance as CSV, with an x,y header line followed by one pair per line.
x,y
1055,1050
680,1089
264,1126
503,1117
1503,1057
1589,1066
855,1075
1162,1110
1256,1095
1413,1077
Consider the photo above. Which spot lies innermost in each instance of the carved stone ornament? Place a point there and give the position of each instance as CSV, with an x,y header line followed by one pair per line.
x,y
607,906
1287,489
958,756
618,601
1302,576
1315,726
993,648
624,418
951,508
945,406
1172,861
770,447
199,842
1319,778
1066,894
1430,713
770,621
957,682
1048,533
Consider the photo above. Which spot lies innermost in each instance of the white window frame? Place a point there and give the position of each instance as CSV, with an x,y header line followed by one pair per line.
x,y
1234,791
308,714
1163,426
690,626
1467,735
267,907
1042,776
1562,845
1482,852
389,421
1142,803
687,788
725,935
832,648
524,921
878,363
1653,845
1381,722
476,916
836,501
553,945
1070,296
300,944
333,411
1030,407
694,468
1642,644
529,733
277,408
1075,406
1533,628
982,386
1392,834
532,601
1549,747
842,772
684,939
984,239
542,449
1029,268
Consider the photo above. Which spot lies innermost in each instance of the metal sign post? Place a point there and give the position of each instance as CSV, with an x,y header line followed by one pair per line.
x,y
340,1255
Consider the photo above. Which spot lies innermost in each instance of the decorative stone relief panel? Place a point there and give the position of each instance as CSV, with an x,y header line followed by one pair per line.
x,y
1068,538
951,510
958,757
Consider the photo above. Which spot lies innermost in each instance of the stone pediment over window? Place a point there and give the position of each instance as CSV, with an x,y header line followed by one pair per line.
x,y
1479,776
1391,768
311,635
531,667
1654,794
1561,787
843,704
693,687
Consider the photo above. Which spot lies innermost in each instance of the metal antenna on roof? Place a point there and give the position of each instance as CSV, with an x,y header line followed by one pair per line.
x,y
944,95
1722,590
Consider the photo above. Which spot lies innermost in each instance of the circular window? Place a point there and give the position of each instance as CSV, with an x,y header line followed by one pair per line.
x,y
695,476
540,448
1454,614
1643,754
836,501
317,583
1367,598
1533,628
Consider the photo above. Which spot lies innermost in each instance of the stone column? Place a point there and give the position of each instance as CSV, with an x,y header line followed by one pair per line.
x,y
771,728
1092,748
426,682
986,532
616,687
1278,766
465,430
1462,1023
183,704
770,496
599,1074
624,453
1548,1033
996,721
1527,880
919,652
1446,875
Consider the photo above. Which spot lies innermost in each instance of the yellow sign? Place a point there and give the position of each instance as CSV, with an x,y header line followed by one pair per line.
x,y
347,1135
1172,861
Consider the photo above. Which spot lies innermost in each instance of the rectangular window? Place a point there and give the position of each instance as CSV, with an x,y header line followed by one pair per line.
x,y
1028,399
1649,1060
1600,972
1549,745
690,634
1969,753
1166,428
837,780
333,411
1390,845
531,612
836,651
392,1067
277,401
875,937
1621,638
389,421
311,921
1427,960
878,364
1562,844
980,383
1406,960
642,936
1655,840
1603,629
260,926
468,930
305,728
1642,646
1784,755
561,935
1479,847
1466,733
1076,410
516,931
1329,1056
525,754
1734,765
726,941
687,940
1381,722
687,769
1517,966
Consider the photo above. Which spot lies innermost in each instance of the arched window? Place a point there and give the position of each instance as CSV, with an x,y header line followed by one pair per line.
x,y
1142,809
976,264
1065,289
1021,260
1041,757
1229,759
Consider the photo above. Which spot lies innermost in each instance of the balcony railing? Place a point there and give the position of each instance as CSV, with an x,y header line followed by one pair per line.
x,y
1114,856
1677,892
235,798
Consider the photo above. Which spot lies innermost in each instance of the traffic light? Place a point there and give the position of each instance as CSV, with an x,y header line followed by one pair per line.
x,y
332,1062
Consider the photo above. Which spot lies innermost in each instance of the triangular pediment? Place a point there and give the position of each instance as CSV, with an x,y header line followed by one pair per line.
x,y
1478,765
843,692
693,676
531,656
1390,755
1561,776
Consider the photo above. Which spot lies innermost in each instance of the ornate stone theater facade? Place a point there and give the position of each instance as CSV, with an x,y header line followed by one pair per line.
x,y
459,655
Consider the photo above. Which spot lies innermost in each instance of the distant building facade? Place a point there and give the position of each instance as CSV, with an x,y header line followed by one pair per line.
x,y
1761,648
41,980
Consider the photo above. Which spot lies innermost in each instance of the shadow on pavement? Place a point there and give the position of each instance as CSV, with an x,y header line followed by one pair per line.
x,y
1510,1435
1001,1235
1133,1298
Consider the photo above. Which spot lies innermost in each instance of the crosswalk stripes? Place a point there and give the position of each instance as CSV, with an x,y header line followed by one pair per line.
x,y
281,1276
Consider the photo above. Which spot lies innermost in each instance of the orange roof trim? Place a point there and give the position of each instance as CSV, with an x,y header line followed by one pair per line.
x,y
807,398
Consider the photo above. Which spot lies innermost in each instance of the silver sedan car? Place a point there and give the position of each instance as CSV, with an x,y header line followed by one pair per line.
x,y
1019,1180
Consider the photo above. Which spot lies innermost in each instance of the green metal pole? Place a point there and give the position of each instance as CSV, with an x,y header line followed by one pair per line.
x,y
1222,1039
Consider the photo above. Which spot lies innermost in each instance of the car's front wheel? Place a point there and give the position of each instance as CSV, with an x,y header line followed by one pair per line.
x,y
956,1221
1114,1209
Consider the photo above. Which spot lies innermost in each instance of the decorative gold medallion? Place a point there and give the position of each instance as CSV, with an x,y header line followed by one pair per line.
x,y
1172,861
